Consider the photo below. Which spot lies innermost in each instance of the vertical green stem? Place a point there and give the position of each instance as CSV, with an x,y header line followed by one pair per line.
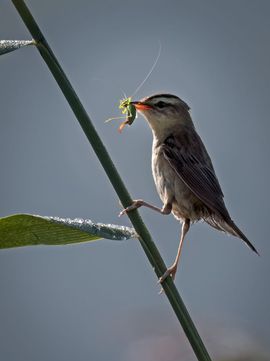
x,y
144,237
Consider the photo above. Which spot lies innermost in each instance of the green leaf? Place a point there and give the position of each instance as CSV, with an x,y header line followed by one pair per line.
x,y
6,46
28,230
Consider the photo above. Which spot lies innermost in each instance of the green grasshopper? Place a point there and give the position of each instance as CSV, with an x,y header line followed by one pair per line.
x,y
129,110
126,106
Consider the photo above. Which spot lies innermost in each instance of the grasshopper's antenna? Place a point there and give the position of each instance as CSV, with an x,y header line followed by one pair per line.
x,y
125,96
114,118
150,71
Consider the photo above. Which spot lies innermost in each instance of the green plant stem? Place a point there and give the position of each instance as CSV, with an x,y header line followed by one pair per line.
x,y
101,152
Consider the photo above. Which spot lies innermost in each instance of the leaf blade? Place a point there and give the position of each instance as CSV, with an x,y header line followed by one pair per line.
x,y
28,230
6,46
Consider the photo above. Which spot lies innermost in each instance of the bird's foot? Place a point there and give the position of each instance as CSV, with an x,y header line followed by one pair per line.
x,y
137,203
171,271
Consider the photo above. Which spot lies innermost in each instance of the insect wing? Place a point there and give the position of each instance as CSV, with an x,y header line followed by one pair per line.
x,y
131,113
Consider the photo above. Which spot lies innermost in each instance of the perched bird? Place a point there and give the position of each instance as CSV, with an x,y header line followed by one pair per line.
x,y
183,172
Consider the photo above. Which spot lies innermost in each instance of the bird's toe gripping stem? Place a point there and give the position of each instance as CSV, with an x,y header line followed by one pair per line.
x,y
137,203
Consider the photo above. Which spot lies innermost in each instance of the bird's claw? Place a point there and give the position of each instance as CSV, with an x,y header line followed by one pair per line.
x,y
171,271
137,203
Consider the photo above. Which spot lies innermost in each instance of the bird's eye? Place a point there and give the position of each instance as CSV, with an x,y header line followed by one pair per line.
x,y
161,104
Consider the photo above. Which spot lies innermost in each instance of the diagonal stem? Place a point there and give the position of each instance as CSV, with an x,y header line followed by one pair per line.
x,y
144,236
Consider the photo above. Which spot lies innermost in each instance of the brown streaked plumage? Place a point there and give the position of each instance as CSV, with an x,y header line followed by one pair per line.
x,y
182,169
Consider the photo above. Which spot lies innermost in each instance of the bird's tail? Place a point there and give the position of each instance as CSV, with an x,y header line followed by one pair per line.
x,y
227,225
232,228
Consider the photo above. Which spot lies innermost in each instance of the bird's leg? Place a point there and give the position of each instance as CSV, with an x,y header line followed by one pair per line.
x,y
171,271
166,209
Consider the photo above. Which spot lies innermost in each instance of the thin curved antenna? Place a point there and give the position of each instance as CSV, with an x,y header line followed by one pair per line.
x,y
150,71
114,118
122,91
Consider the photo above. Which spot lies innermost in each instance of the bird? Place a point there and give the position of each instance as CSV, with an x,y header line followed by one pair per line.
x,y
183,172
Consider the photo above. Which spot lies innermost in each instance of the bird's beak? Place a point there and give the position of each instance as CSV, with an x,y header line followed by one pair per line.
x,y
141,105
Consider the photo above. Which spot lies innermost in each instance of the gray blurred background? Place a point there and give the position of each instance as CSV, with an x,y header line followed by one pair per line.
x,y
100,301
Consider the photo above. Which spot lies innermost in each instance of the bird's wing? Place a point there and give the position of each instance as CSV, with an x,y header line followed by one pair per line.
x,y
187,155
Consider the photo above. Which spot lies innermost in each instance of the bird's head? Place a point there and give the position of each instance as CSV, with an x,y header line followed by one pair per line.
x,y
164,112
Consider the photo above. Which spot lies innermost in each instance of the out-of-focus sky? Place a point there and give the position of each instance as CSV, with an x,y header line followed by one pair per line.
x,y
100,301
